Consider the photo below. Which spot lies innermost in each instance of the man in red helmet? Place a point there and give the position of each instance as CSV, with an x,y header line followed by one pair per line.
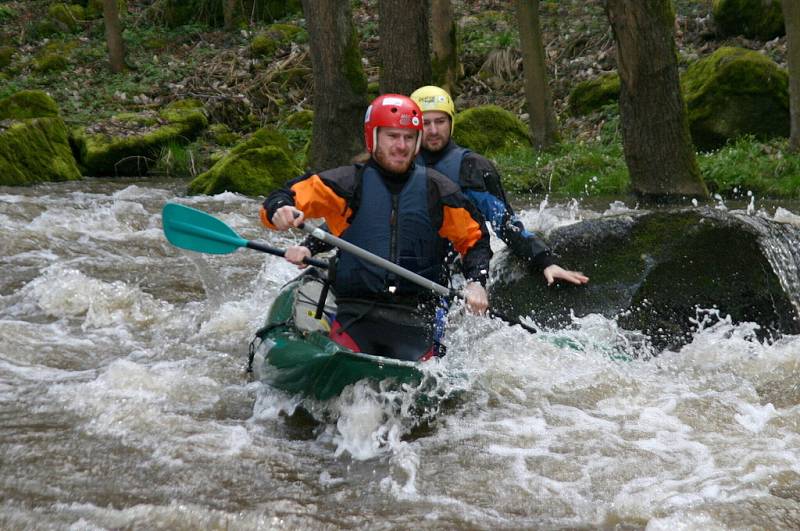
x,y
400,211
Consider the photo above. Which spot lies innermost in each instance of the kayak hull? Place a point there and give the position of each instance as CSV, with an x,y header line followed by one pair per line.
x,y
300,358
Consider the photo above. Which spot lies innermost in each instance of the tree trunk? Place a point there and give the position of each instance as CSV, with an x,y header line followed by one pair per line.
x,y
116,46
446,69
340,86
405,51
791,18
229,13
537,91
655,129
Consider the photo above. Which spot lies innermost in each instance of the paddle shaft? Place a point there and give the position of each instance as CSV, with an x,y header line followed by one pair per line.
x,y
327,237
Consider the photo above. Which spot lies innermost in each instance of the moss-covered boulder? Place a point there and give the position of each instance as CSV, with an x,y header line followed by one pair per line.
x,y
35,150
301,119
757,19
268,41
66,17
255,167
28,104
653,270
221,135
6,55
734,92
490,129
592,94
126,145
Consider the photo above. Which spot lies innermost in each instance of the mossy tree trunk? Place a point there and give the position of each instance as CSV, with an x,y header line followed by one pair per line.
x,y
655,131
405,51
537,90
791,18
116,46
340,86
446,68
229,13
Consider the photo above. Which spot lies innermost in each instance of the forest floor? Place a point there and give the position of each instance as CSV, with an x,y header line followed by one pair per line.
x,y
245,92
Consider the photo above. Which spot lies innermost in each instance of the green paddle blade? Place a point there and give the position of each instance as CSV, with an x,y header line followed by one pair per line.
x,y
192,229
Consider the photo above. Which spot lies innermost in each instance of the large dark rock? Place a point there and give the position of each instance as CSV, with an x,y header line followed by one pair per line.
x,y
652,271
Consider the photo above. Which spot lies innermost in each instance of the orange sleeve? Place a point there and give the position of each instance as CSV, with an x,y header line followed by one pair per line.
x,y
460,227
317,200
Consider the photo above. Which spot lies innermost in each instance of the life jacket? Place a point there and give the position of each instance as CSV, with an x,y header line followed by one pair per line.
x,y
449,163
396,227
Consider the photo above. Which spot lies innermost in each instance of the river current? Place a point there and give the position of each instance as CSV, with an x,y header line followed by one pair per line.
x,y
125,404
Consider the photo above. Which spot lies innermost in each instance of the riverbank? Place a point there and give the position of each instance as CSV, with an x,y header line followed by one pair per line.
x,y
242,91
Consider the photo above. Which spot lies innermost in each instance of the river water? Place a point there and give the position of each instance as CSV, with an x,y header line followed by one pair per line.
x,y
124,401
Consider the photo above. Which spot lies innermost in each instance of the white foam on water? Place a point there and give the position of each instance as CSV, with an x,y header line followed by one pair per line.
x,y
65,292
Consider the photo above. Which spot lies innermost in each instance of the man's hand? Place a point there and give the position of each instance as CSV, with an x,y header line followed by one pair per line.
x,y
296,253
287,217
476,298
555,272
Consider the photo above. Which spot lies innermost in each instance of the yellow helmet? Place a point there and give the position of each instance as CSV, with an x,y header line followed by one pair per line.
x,y
432,98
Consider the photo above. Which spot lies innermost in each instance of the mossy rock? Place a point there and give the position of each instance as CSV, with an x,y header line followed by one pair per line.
x,y
268,41
35,150
221,135
266,136
28,104
253,172
592,94
50,62
757,19
650,271
6,55
490,129
301,119
66,17
189,112
735,92
104,154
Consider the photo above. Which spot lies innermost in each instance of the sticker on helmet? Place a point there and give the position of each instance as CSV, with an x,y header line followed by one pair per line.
x,y
366,116
392,101
415,121
404,119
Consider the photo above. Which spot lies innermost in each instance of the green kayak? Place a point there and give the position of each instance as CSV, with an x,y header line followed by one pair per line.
x,y
297,356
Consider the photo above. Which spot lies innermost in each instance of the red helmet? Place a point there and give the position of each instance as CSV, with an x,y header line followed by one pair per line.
x,y
391,110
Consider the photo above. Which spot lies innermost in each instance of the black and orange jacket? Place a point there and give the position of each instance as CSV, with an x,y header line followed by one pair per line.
x,y
335,196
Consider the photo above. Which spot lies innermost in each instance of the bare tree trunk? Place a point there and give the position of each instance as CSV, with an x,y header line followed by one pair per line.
x,y
340,86
116,46
537,90
655,130
791,18
229,13
446,69
405,50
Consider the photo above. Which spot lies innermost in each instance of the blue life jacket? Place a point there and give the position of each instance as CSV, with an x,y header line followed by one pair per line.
x,y
450,163
395,227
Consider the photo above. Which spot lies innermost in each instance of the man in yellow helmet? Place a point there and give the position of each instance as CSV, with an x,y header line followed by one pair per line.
x,y
480,182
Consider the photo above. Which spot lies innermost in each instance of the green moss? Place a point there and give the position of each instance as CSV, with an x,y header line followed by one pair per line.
x,y
6,54
267,42
94,8
253,172
490,129
189,113
67,17
590,95
760,19
28,104
734,92
50,63
264,137
36,150
222,135
352,67
300,119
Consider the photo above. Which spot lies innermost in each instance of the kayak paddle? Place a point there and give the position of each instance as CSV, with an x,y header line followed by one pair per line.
x,y
195,230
